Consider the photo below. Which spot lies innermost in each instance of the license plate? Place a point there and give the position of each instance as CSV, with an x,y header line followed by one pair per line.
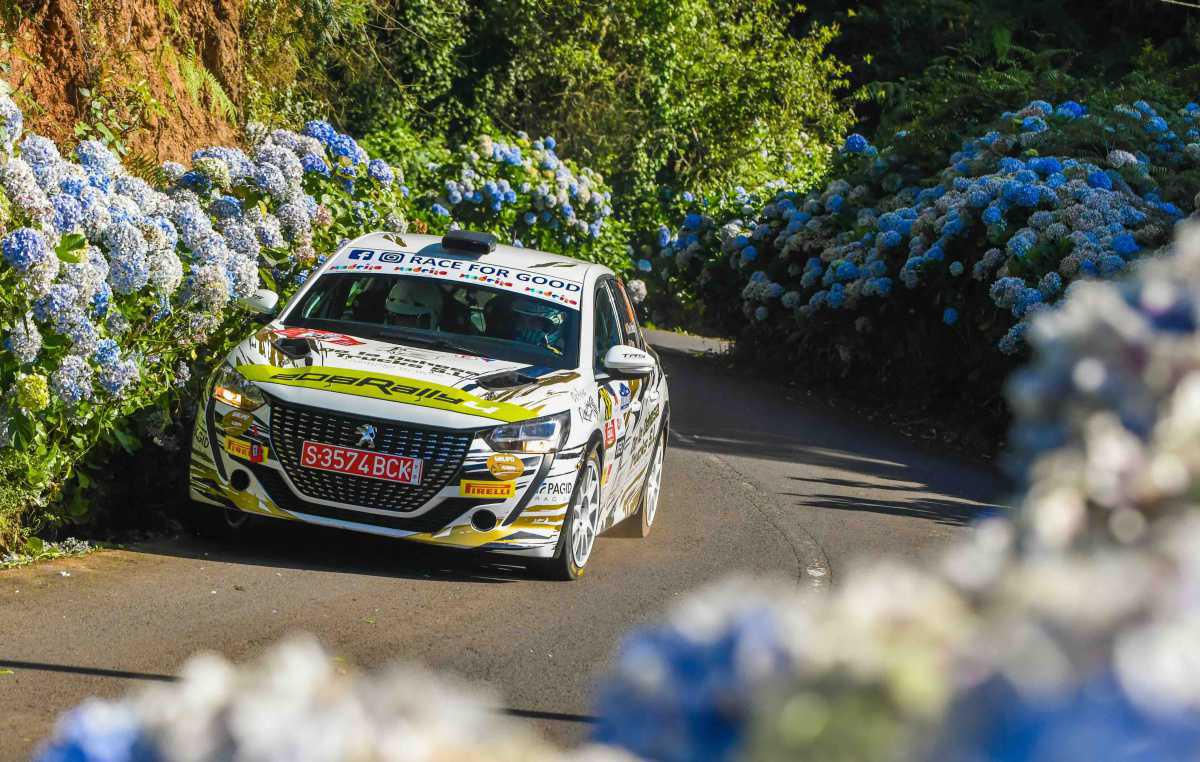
x,y
366,463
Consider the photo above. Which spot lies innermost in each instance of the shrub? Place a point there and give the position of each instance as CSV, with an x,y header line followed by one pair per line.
x,y
923,280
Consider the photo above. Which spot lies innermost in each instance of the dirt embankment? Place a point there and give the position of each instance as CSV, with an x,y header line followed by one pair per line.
x,y
140,67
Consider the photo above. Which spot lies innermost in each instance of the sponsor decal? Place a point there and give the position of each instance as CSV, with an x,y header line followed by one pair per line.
x,y
383,386
610,432
585,403
473,488
251,451
236,422
607,401
328,337
625,394
372,465
557,289
201,437
557,489
505,466
607,473
396,357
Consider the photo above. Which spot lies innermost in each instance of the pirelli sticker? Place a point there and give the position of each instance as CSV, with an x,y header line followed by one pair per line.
x,y
251,451
497,490
384,386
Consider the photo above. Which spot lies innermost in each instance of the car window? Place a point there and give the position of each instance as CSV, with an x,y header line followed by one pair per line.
x,y
412,309
607,328
629,324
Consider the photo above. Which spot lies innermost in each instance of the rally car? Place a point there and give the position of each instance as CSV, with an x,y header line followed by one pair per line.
x,y
444,390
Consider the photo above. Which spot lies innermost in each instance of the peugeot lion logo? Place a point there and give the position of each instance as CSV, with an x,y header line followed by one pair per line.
x,y
366,436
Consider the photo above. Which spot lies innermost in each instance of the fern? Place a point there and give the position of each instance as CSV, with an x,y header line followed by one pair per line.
x,y
193,78
219,100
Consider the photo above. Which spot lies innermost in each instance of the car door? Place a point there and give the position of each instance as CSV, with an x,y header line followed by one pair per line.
x,y
643,414
607,333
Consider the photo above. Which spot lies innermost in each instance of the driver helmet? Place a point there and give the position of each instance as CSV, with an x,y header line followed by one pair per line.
x,y
538,323
416,303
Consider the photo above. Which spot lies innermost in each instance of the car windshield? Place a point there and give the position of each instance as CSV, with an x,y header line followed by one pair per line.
x,y
457,317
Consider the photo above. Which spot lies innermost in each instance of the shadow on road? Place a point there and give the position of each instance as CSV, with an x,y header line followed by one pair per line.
x,y
871,470
294,545
35,666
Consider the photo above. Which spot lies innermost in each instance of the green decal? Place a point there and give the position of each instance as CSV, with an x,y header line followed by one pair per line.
x,y
383,386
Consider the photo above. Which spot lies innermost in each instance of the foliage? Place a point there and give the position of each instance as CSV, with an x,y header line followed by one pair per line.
x,y
653,94
918,281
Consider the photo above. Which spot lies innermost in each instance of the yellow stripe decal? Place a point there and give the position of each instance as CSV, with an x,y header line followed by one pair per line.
x,y
383,386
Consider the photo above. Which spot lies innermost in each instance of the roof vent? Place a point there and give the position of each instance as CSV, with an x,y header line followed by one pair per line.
x,y
469,241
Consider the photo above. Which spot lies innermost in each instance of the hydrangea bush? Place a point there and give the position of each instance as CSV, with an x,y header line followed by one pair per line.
x,y
1067,631
935,276
112,286
520,189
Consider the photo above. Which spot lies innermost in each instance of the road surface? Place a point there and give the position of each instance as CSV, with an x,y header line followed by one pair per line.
x,y
755,483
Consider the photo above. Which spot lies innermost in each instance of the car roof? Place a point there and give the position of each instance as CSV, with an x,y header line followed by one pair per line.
x,y
510,256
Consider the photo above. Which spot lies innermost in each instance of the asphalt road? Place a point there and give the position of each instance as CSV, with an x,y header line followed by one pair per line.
x,y
755,482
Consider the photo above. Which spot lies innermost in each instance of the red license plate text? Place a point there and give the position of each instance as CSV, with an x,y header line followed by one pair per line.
x,y
372,465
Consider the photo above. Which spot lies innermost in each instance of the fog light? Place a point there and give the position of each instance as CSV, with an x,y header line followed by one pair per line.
x,y
239,480
484,521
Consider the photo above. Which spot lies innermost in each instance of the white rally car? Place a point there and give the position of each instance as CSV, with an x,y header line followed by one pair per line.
x,y
448,391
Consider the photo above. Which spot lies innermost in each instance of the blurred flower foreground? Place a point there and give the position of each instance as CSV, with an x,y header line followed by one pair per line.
x,y
1069,632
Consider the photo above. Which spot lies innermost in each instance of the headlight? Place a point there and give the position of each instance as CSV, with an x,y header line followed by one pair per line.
x,y
538,435
236,390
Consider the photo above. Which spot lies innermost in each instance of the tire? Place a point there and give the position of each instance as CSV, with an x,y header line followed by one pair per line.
x,y
574,549
651,488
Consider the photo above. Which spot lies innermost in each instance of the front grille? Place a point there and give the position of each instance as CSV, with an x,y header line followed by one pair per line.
x,y
432,520
442,451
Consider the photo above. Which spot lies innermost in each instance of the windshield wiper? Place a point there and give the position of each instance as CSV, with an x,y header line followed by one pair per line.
x,y
428,341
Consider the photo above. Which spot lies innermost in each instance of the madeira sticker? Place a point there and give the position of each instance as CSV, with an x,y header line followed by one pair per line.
x,y
251,451
499,490
505,466
236,422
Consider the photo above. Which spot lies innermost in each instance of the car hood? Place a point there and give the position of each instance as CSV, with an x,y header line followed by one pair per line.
x,y
369,377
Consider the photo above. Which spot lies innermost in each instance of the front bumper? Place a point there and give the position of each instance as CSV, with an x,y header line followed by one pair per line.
x,y
235,464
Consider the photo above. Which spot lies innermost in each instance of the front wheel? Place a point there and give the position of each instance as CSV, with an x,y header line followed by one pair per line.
x,y
581,525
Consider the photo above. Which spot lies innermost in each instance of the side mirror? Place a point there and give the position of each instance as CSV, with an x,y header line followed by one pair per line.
x,y
628,361
262,303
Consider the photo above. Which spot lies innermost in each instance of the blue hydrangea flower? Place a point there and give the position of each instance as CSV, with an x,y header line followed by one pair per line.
x,y
949,316
1099,179
314,164
856,143
24,341
1125,245
380,171
956,268
24,248
107,352
321,130
72,380
1034,124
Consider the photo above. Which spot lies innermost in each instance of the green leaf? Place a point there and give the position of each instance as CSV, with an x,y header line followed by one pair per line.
x,y
70,248
128,442
267,279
